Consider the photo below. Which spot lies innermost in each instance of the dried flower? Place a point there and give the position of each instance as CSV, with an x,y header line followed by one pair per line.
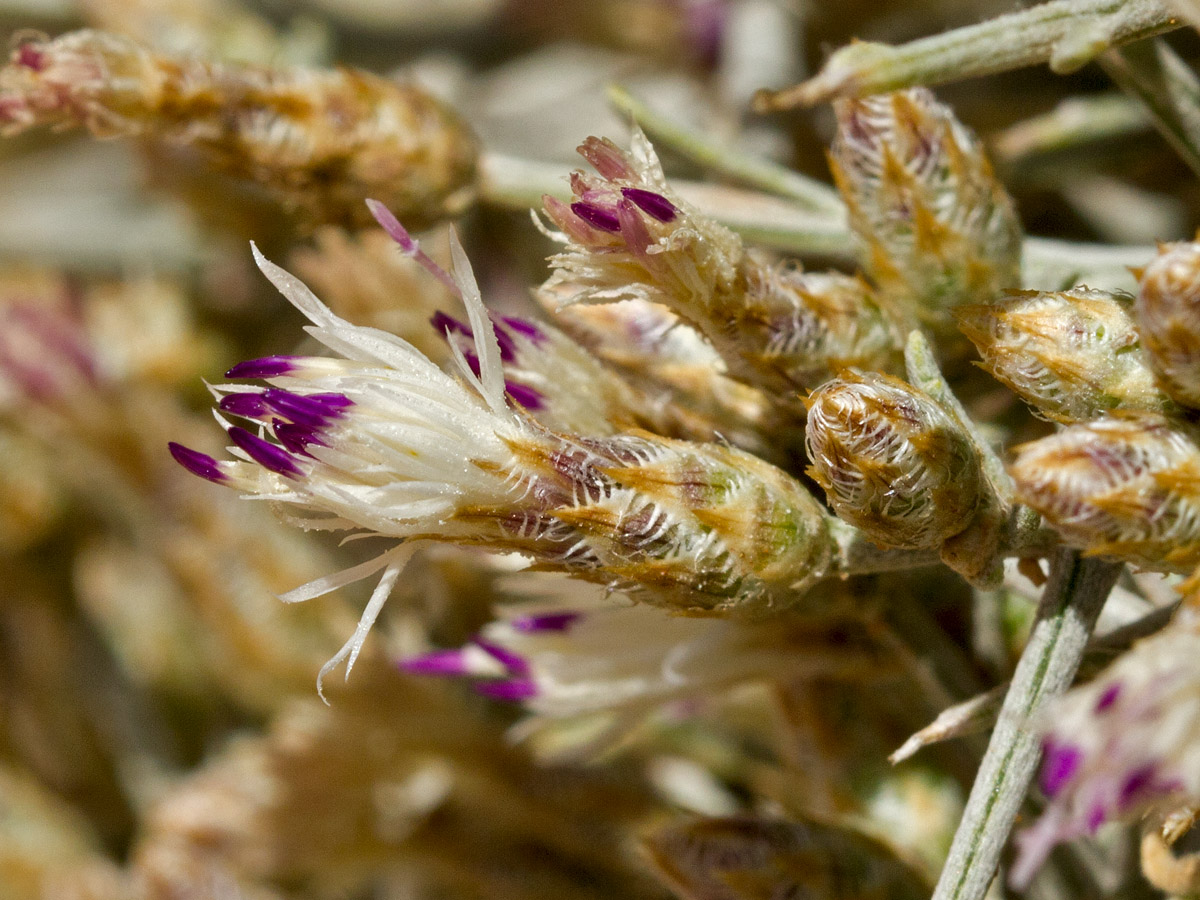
x,y
933,225
317,140
1168,317
629,236
1122,744
383,442
1126,486
1072,355
597,655
892,461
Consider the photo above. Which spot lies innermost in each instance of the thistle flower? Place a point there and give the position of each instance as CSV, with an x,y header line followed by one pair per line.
x,y
596,655
1168,317
629,236
892,461
317,141
1072,355
383,442
934,226
1125,486
1126,742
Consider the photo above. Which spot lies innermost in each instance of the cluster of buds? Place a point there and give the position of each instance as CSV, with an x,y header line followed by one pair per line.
x,y
1121,482
629,236
384,442
317,141
934,226
1126,743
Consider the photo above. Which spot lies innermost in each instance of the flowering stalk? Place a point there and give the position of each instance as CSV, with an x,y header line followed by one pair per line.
x,y
934,227
1072,355
289,130
382,442
629,236
1064,33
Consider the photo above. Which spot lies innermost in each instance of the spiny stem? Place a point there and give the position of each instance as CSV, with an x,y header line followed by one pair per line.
x,y
1064,33
1170,90
743,167
1070,605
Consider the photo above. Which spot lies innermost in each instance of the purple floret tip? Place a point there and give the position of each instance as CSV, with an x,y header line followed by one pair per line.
x,y
528,397
439,662
247,405
444,322
656,206
525,328
513,690
1106,700
296,438
263,367
389,223
597,216
197,463
313,410
266,454
545,622
514,662
1061,763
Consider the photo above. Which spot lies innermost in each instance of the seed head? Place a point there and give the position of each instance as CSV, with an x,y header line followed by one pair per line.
x,y
1125,486
1168,317
934,226
892,461
1072,355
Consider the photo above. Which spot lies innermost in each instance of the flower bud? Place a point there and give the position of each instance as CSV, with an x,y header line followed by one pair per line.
x,y
892,461
318,141
1168,317
1125,486
933,225
1072,355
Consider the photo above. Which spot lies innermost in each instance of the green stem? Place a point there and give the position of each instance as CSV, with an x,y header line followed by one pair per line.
x,y
1070,605
1064,33
1154,74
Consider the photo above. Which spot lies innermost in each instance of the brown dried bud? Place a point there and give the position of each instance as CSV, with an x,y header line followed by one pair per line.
x,y
319,141
1168,317
1073,355
934,226
1125,486
893,462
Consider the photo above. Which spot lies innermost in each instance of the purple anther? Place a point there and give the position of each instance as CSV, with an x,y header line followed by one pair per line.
x,y
514,662
266,454
1060,764
443,322
597,216
508,349
1096,817
1106,700
525,328
439,662
528,397
512,690
545,622
314,410
296,438
248,405
656,206
197,463
264,367
633,229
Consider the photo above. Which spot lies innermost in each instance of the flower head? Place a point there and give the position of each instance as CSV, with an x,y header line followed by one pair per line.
x,y
1122,744
1073,355
1125,486
934,226
1168,317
